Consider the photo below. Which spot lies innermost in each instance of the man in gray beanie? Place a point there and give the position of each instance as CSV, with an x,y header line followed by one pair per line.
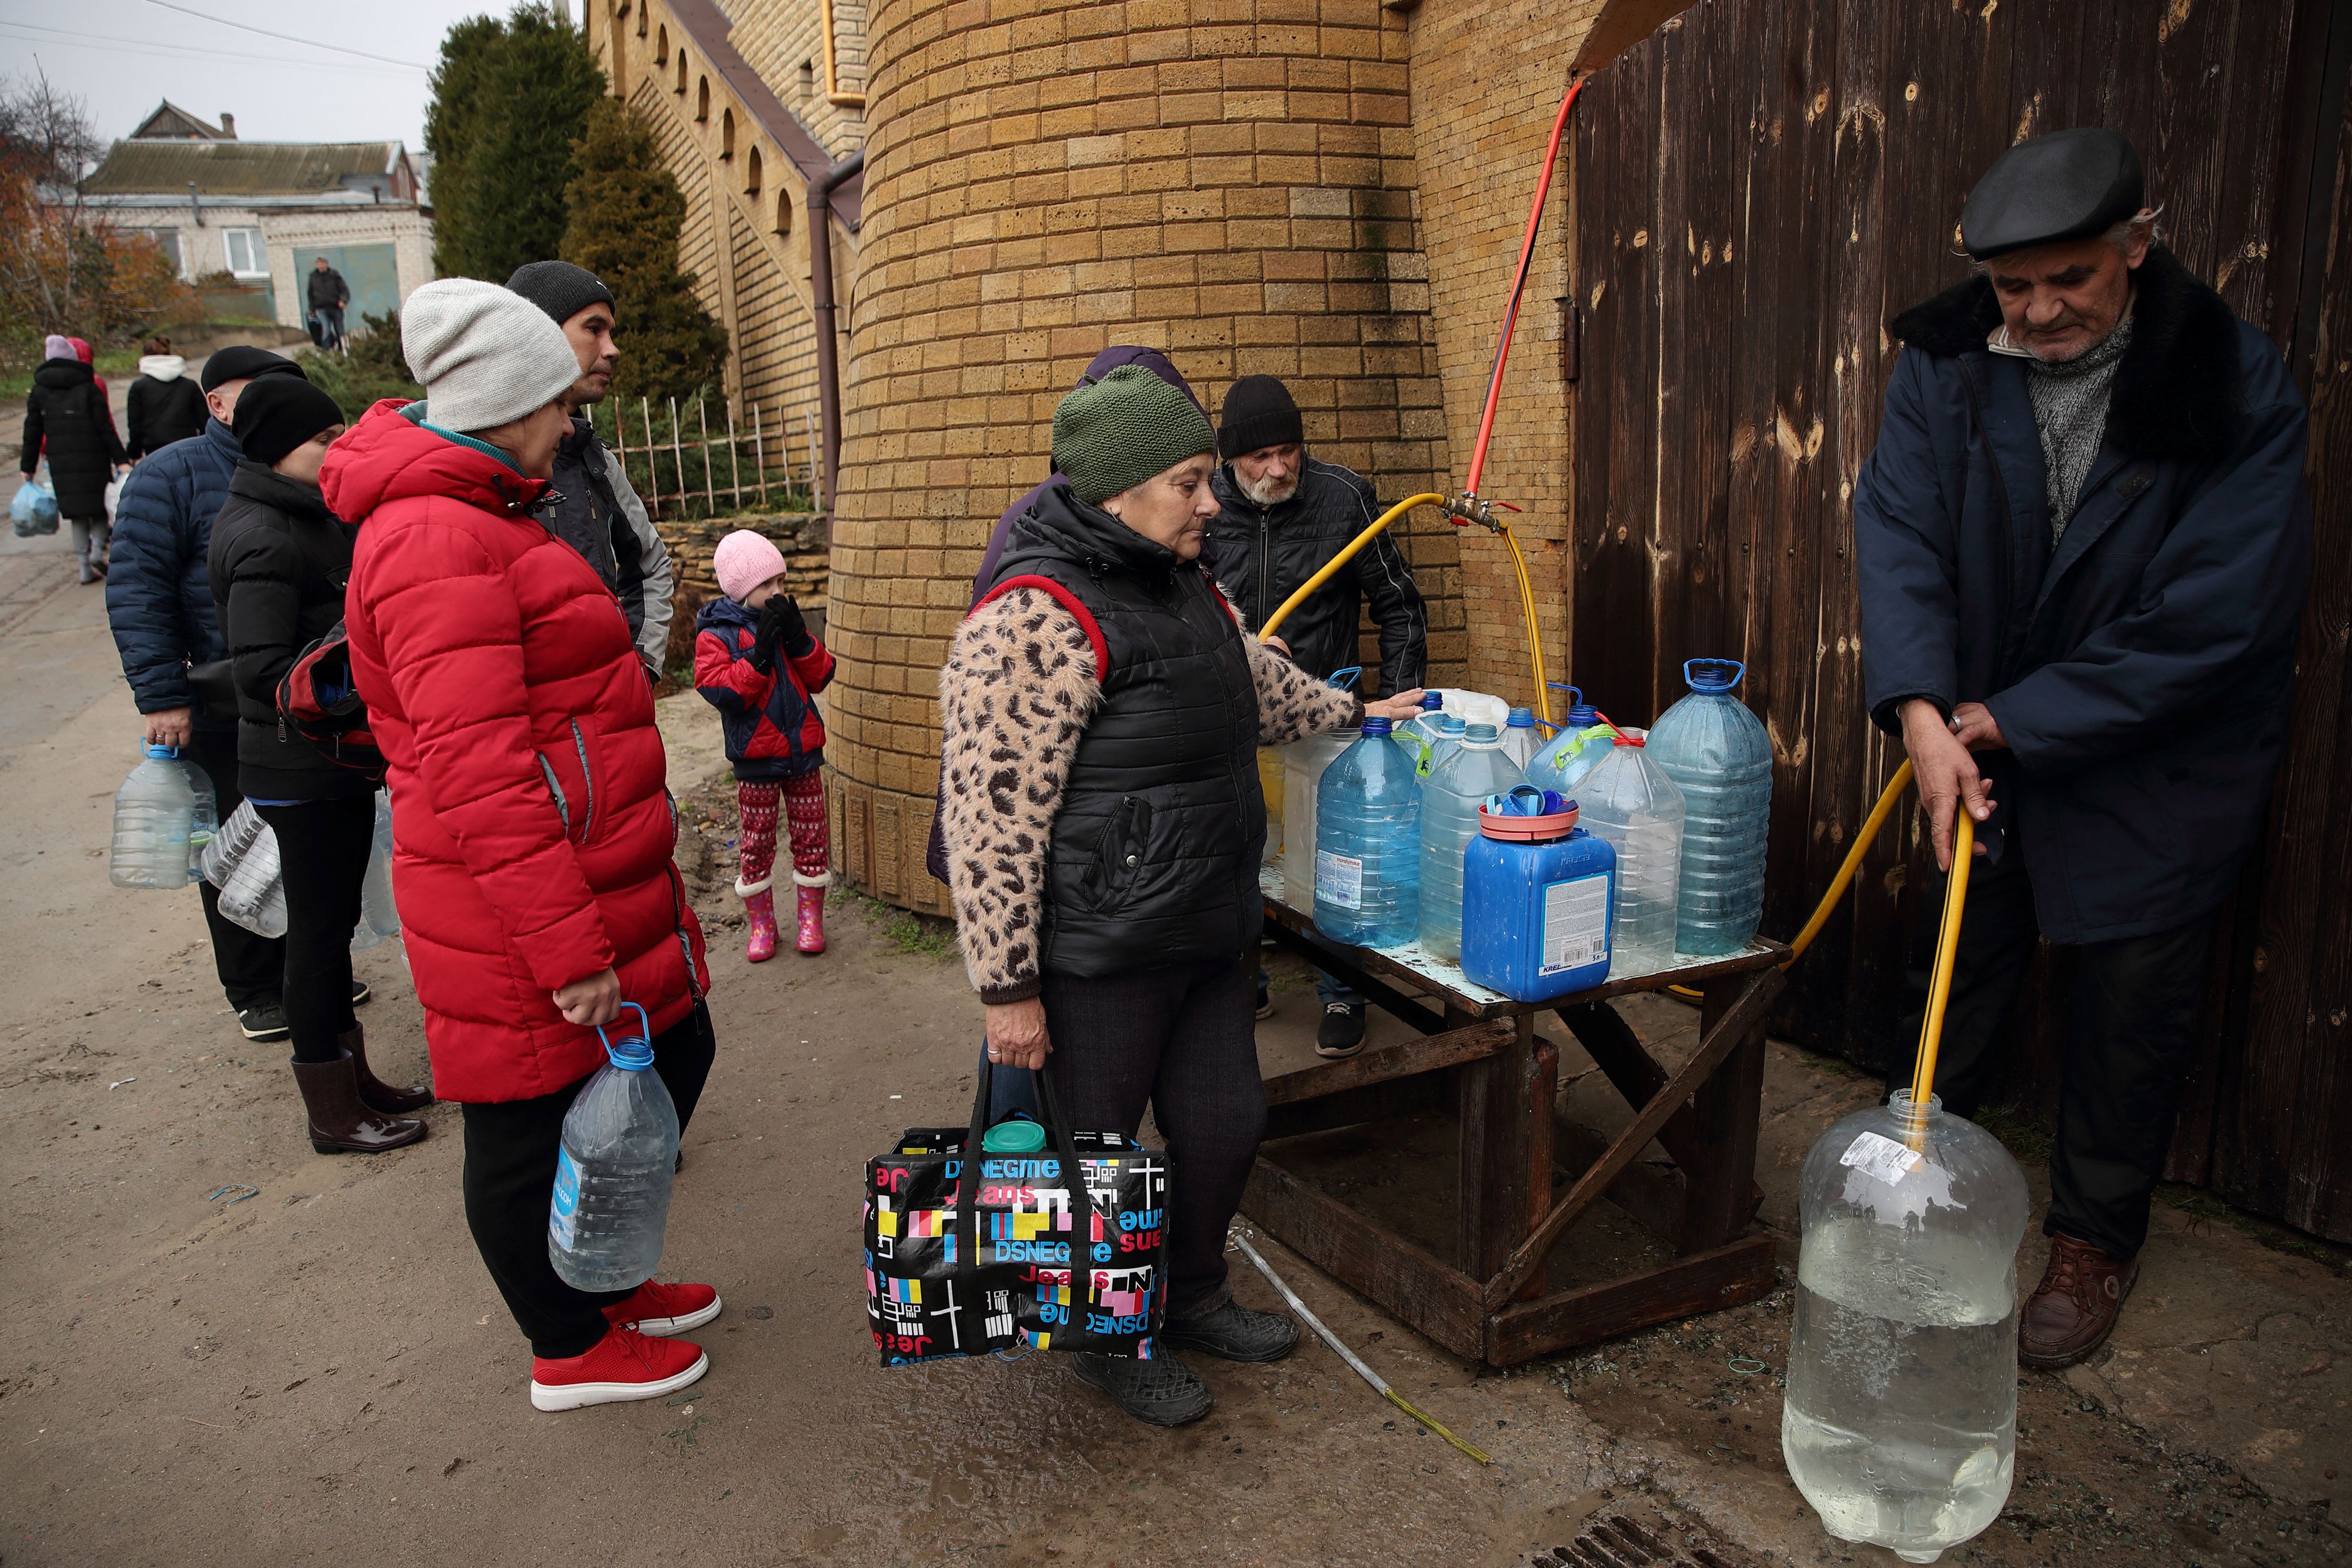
x,y
594,508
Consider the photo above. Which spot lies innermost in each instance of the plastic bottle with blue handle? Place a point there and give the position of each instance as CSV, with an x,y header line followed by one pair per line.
x,y
1368,844
1566,758
1521,739
611,1202
1628,802
1719,755
1450,798
164,815
1450,732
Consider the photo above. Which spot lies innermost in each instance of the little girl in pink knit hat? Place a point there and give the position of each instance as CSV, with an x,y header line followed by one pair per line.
x,y
757,663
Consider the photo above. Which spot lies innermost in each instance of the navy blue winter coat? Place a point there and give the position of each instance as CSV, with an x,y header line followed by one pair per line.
x,y
2140,673
159,598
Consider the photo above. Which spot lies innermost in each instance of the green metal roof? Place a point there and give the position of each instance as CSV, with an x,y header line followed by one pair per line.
x,y
236,168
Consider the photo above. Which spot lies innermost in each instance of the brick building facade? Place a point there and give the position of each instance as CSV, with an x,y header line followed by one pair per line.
x,y
1330,190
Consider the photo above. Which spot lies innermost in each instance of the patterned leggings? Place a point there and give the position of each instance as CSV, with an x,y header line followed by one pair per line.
x,y
802,800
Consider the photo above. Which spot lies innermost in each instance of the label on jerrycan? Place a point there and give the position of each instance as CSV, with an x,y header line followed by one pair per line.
x,y
1575,924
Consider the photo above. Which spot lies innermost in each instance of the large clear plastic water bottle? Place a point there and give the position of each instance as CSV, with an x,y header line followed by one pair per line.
x,y
1450,732
242,862
1303,762
164,815
611,1203
1627,799
1368,844
379,918
1720,758
1566,756
1424,724
1520,740
1900,1421
1450,798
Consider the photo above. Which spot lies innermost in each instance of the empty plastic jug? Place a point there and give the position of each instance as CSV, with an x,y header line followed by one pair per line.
x,y
1719,757
1450,731
1536,892
1368,844
611,1203
1419,733
1520,741
378,918
164,815
1900,1421
1564,759
1450,798
1629,800
1303,762
242,862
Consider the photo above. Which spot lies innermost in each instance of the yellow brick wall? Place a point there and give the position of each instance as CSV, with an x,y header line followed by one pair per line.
x,y
1487,76
1229,181
779,36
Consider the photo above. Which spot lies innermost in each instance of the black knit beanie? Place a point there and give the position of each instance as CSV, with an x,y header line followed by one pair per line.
x,y
242,362
560,288
275,414
1258,413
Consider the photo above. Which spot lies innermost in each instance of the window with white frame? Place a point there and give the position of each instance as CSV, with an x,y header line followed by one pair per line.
x,y
246,256
168,242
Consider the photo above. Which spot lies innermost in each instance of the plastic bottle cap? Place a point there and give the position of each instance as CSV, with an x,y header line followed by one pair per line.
x,y
1624,739
152,749
1018,1137
1521,719
633,1053
1431,701
1709,677
1448,724
1475,734
1551,825
1375,726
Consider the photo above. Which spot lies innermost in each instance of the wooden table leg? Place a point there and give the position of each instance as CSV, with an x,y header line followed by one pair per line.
x,y
1498,1130
1722,1196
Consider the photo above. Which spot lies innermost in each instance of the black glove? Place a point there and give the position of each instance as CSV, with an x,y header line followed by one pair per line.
x,y
780,625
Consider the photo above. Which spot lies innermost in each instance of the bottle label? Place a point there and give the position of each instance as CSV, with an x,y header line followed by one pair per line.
x,y
563,1213
1881,1158
1575,924
1339,880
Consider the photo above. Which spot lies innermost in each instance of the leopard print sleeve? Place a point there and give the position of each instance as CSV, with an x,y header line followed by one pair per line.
x,y
1292,704
1018,690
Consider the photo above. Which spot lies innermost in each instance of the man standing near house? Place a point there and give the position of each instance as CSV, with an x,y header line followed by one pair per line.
x,y
1285,515
158,604
328,295
594,509
2083,542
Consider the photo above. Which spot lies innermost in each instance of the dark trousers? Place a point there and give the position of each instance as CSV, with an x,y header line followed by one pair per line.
x,y
510,1147
322,853
1183,1041
2131,1032
251,968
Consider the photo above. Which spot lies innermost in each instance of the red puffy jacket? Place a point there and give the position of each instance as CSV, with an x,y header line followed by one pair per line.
x,y
533,831
771,728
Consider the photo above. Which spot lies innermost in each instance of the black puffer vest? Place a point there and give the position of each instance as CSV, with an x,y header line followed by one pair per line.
x,y
1154,856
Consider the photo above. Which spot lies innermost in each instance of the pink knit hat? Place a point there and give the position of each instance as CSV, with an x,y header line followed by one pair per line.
x,y
743,561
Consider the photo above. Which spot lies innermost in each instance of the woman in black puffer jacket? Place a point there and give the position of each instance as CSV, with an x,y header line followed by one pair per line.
x,y
279,562
68,422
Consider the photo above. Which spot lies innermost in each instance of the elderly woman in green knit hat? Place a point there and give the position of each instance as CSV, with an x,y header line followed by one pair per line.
x,y
1103,709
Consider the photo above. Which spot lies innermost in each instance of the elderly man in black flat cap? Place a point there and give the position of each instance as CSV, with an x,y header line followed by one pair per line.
x,y
2083,542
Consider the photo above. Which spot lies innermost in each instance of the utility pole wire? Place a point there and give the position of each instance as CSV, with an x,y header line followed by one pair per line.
x,y
286,38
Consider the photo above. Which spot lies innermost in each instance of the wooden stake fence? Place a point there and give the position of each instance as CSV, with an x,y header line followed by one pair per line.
x,y
798,472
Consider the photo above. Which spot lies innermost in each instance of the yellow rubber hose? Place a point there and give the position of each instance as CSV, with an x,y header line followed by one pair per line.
x,y
1535,637
1939,990
1344,557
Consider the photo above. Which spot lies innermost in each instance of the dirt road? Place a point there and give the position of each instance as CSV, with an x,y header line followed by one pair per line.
x,y
322,1372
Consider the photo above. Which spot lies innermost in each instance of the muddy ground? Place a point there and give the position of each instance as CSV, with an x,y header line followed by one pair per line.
x,y
320,1371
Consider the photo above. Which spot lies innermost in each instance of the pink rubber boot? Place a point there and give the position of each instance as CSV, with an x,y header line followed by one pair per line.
x,y
811,940
759,915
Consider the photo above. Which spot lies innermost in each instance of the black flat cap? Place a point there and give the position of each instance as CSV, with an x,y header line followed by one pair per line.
x,y
2069,185
242,362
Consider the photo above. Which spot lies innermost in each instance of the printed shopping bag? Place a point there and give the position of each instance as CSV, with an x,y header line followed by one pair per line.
x,y
957,1266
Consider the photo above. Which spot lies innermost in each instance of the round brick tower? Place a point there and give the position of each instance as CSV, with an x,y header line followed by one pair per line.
x,y
1230,181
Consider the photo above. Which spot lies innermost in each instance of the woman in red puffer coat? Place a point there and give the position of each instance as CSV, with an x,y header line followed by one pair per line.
x,y
533,831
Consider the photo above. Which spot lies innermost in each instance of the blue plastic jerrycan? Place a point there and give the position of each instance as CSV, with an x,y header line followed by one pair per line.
x,y
1538,896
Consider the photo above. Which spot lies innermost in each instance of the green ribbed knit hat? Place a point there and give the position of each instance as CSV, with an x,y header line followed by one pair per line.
x,y
1112,434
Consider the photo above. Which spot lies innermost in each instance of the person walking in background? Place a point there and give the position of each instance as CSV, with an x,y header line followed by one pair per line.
x,y
533,833
327,294
594,509
162,405
158,605
277,561
757,663
67,421
1283,516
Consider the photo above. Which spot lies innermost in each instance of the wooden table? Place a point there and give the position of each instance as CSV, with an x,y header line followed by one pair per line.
x,y
1479,1055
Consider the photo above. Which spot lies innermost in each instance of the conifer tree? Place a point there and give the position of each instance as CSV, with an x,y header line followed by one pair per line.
x,y
510,100
625,208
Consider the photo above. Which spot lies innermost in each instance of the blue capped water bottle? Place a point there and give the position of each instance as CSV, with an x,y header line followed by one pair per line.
x,y
611,1203
1719,755
1368,844
164,815
1450,798
1565,758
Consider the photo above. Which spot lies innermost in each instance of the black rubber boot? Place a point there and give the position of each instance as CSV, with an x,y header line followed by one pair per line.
x,y
1162,1392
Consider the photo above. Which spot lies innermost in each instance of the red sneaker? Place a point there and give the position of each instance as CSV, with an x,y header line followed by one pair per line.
x,y
623,1364
659,1310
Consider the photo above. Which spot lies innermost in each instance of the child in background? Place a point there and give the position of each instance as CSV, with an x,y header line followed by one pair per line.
x,y
756,662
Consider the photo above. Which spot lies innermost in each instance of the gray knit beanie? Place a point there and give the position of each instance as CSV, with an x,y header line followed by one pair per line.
x,y
1112,434
485,354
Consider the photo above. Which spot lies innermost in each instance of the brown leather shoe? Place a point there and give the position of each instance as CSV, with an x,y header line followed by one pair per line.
x,y
2073,1309
375,1093
340,1122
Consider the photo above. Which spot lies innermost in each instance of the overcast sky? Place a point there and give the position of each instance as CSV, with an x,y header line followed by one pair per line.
x,y
119,56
